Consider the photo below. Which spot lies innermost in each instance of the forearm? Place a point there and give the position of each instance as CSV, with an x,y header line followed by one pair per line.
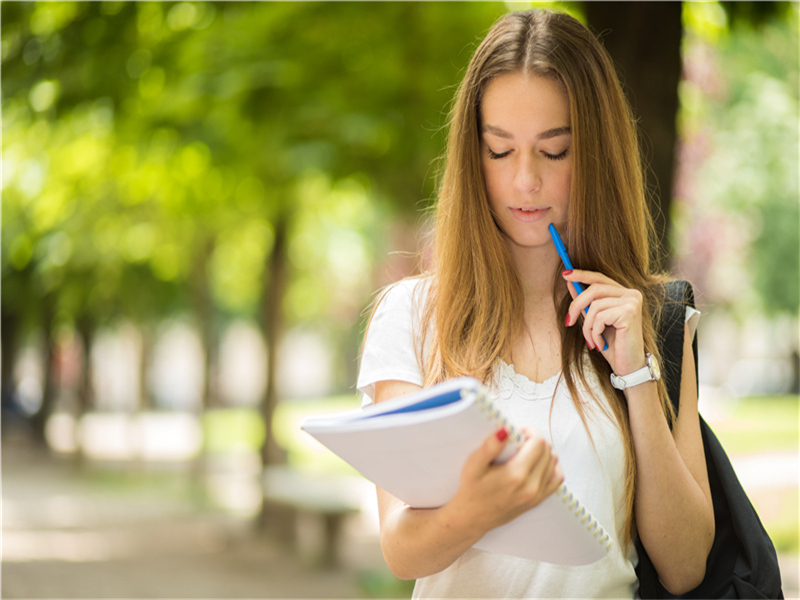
x,y
421,542
673,509
674,517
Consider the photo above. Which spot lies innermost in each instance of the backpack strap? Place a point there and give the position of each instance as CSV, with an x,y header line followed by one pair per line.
x,y
677,296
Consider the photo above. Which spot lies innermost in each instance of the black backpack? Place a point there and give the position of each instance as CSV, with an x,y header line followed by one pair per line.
x,y
742,562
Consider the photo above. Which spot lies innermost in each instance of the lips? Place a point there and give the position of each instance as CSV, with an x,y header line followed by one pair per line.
x,y
528,214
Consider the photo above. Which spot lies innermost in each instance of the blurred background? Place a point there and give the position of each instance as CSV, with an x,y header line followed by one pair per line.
x,y
199,201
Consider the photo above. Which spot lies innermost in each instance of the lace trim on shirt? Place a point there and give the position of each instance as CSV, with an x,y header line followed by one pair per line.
x,y
507,383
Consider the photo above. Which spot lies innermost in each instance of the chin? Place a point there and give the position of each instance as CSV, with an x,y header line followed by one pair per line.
x,y
529,242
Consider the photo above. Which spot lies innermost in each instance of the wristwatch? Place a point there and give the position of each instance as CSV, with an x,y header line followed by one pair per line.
x,y
650,372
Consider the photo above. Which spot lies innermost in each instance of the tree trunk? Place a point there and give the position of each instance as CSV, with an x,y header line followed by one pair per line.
x,y
275,277
204,311
85,327
9,339
204,308
644,39
145,348
49,387
278,521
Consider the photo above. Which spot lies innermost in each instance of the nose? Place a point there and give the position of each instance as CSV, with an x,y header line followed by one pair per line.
x,y
527,177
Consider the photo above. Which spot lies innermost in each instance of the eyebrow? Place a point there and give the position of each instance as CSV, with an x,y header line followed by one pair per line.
x,y
545,135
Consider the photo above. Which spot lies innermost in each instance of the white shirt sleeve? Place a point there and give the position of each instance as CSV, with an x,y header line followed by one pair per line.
x,y
390,345
692,317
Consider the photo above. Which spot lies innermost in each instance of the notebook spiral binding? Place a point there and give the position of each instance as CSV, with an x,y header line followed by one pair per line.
x,y
580,511
499,419
563,492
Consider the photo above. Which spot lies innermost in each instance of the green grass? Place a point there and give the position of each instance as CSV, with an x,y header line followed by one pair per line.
x,y
231,429
767,424
782,522
304,451
760,424
382,584
145,484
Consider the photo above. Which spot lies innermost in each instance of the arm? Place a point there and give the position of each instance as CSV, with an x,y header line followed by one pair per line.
x,y
674,513
673,509
421,542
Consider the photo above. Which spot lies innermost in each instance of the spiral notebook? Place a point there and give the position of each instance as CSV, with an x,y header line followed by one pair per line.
x,y
414,447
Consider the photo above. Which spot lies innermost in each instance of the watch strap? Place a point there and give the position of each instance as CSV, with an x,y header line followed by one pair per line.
x,y
639,376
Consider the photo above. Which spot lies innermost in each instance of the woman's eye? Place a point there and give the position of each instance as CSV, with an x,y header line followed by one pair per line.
x,y
560,156
495,155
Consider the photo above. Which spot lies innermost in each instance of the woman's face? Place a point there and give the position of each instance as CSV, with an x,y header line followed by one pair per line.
x,y
526,154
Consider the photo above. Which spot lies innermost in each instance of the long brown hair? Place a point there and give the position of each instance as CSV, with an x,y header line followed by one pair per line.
x,y
474,304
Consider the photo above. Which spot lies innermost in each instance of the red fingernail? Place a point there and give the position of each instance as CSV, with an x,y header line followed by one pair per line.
x,y
567,321
567,272
591,346
502,435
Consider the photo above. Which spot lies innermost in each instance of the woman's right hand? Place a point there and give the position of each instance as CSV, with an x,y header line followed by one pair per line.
x,y
492,494
420,542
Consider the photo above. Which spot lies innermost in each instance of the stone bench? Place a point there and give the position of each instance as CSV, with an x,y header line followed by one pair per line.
x,y
332,498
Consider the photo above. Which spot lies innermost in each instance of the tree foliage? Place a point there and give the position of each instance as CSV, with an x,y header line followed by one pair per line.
x,y
738,201
137,132
155,153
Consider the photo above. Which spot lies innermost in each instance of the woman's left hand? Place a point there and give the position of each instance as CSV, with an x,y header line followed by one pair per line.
x,y
615,312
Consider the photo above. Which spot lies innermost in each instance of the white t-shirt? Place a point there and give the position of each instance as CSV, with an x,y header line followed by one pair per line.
x,y
594,472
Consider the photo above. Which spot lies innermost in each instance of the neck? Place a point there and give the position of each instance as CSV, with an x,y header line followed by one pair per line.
x,y
535,268
536,350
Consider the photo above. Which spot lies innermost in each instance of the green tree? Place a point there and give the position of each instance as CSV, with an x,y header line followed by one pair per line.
x,y
740,191
229,159
181,137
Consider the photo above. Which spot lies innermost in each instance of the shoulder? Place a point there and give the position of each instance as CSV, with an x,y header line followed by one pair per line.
x,y
679,291
673,304
677,305
677,324
662,290
391,349
406,294
399,307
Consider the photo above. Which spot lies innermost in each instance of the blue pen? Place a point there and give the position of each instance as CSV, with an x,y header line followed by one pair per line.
x,y
562,252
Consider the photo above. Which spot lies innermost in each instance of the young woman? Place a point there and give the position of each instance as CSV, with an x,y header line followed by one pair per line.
x,y
541,133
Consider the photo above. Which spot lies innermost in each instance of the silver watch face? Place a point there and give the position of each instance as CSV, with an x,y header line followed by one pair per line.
x,y
655,368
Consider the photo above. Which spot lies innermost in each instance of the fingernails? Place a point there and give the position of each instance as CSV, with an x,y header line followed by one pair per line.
x,y
591,346
566,272
568,320
502,434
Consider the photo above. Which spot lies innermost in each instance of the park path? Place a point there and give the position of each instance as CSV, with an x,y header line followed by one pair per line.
x,y
64,537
